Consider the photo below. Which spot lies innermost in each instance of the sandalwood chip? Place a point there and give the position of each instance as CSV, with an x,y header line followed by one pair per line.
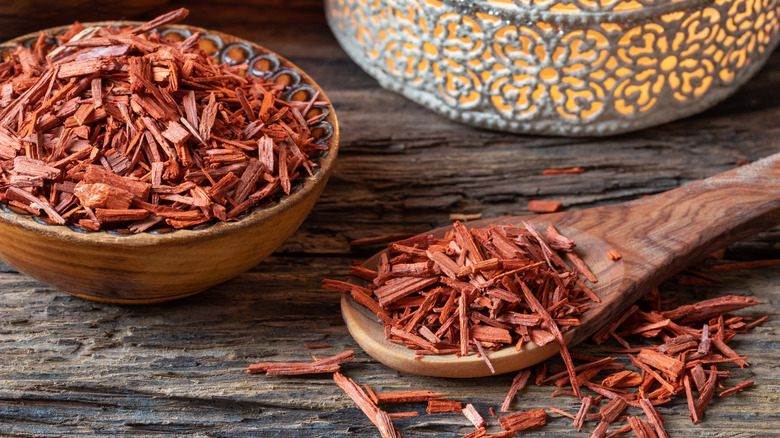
x,y
327,365
709,308
406,396
518,383
120,215
476,419
740,386
579,419
400,415
538,206
623,379
561,412
101,195
670,366
523,420
439,406
316,346
571,170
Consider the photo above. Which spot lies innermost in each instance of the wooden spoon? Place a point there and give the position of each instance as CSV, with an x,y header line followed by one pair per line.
x,y
656,236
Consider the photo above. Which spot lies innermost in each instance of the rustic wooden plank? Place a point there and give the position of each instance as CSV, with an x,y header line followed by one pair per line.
x,y
69,366
179,367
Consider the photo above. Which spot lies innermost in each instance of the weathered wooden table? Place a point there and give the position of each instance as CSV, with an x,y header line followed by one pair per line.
x,y
71,367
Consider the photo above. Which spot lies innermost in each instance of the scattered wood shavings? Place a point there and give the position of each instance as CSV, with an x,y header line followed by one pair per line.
x,y
380,418
328,365
538,206
465,217
476,419
518,383
406,396
571,170
439,406
316,346
523,420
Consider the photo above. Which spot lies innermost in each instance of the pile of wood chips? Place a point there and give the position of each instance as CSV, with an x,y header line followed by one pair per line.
x,y
118,128
476,290
482,289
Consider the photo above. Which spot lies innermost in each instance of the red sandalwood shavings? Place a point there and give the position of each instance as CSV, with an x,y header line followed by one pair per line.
x,y
478,256
669,367
538,206
380,418
561,412
706,393
600,431
653,417
585,405
572,170
518,383
465,217
613,409
523,420
127,118
623,379
476,419
400,415
327,365
315,346
709,308
406,396
439,406
622,430
740,386
479,433
640,428
475,290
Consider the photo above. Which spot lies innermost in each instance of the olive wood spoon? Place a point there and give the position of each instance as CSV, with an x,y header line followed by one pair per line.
x,y
656,236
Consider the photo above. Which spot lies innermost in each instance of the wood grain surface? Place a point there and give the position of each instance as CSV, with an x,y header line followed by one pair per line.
x,y
73,367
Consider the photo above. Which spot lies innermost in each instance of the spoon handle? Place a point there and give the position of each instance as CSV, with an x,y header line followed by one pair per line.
x,y
683,225
660,235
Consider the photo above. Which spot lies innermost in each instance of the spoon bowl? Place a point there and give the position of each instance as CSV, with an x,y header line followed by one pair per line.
x,y
656,237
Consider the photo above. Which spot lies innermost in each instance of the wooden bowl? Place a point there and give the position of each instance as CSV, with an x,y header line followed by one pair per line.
x,y
151,267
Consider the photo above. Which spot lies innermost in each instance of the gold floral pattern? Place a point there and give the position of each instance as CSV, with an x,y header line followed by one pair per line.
x,y
573,67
